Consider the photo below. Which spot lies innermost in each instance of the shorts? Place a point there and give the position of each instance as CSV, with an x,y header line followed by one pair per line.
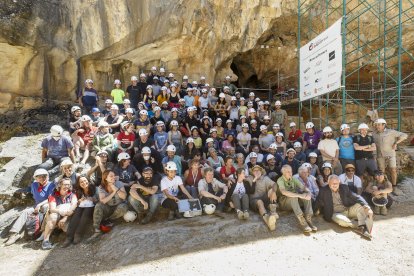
x,y
363,165
389,161
253,202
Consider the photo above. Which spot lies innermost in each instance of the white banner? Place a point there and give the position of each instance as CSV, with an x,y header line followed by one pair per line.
x,y
321,63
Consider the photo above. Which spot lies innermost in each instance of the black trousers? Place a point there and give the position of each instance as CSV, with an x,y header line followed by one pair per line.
x,y
79,221
170,204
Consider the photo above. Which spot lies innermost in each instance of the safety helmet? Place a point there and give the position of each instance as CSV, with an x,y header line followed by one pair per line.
x,y
108,101
40,172
209,208
278,103
126,101
143,112
102,124
297,145
130,216
263,127
145,150
245,125
269,156
309,125
209,140
56,130
129,110
327,165
114,107
174,123
171,148
313,154
134,78
273,146
123,156
85,118
117,81
171,166
344,126
381,121
125,124
327,129
189,140
279,134
75,108
292,124
66,162
88,81
253,155
142,132
363,126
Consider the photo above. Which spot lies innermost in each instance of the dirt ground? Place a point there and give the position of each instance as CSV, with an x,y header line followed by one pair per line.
x,y
224,245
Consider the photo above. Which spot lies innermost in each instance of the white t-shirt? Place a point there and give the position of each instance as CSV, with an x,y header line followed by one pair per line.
x,y
345,180
171,185
329,146
239,190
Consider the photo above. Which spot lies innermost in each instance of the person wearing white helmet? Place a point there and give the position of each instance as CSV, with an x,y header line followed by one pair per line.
x,y
142,122
329,149
142,139
133,92
279,116
67,170
143,195
83,138
142,87
272,166
291,161
171,183
254,130
300,155
221,107
265,139
129,115
311,138
244,138
346,146
203,100
174,97
125,171
211,190
149,96
153,73
387,141
41,188
156,87
173,157
242,107
118,94
175,136
364,146
114,120
56,147
313,159
160,137
126,104
107,108
189,98
280,144
295,135
326,171
103,162
75,118
254,158
104,140
125,139
89,97
190,120
233,109
232,88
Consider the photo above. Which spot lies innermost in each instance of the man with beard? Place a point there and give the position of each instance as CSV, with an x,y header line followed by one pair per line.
x,y
143,197
279,116
148,158
142,87
329,150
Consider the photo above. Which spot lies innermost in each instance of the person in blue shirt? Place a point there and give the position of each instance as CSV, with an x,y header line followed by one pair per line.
x,y
41,188
346,146
300,155
171,156
189,98
161,138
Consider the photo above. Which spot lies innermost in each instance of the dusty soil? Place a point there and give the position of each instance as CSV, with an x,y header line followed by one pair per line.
x,y
223,245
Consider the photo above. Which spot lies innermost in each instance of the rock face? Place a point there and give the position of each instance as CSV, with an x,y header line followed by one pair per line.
x,y
49,47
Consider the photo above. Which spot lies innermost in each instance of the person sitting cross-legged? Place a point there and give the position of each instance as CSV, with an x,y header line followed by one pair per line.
x,y
294,193
211,190
338,204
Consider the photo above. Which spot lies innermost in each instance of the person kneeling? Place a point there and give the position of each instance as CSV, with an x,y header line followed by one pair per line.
x,y
379,191
211,190
295,193
143,197
338,204
62,204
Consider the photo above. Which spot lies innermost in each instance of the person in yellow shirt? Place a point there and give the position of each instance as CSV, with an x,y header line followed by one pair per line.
x,y
118,94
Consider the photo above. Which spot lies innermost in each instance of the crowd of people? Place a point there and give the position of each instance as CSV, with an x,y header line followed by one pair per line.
x,y
162,141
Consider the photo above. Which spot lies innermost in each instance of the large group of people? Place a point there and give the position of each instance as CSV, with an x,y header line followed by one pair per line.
x,y
162,141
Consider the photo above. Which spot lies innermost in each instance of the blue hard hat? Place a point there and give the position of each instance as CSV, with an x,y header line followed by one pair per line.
x,y
95,109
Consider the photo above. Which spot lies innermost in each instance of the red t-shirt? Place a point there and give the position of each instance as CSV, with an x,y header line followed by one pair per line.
x,y
88,134
224,171
293,136
126,139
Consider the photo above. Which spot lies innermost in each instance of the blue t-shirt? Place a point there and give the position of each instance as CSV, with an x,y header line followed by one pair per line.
x,y
176,160
189,100
161,138
41,193
346,147
57,149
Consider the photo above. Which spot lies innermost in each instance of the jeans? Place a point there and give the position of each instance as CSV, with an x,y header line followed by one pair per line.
x,y
293,203
139,208
104,211
192,190
79,221
240,203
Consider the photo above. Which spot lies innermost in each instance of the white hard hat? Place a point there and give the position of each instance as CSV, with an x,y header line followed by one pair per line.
x,y
102,124
309,125
157,108
245,125
257,99
307,165
278,103
251,110
164,88
213,130
263,127
344,126
297,145
66,162
313,154
202,78
117,81
171,75
290,150
88,81
279,134
74,108
123,156
130,216
292,124
145,150
363,126
228,77
276,126
273,146
209,140
160,123
269,156
174,109
253,155
260,103
189,140
209,209
153,68
85,118
251,94
142,132
229,121
253,122
126,101
142,75
222,95
233,98
193,127
114,107
226,88
129,110
381,121
174,123
108,101
149,87
162,70
40,172
124,124
327,129
327,165
171,166
134,78
171,148
143,112
185,77
219,119
56,130
266,117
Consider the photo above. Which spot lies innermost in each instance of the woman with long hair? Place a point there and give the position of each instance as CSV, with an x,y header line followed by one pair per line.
x,y
238,194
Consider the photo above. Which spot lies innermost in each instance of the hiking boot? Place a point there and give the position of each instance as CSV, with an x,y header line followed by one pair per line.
x,y
171,215
384,211
311,225
397,191
246,214
66,243
13,238
377,210
177,214
363,230
240,215
147,218
272,208
47,245
304,224
270,221
77,239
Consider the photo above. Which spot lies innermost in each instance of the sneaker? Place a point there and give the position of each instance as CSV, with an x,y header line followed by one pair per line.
x,y
377,210
240,214
397,191
304,225
272,222
308,219
13,238
41,238
246,214
171,215
47,245
384,211
364,232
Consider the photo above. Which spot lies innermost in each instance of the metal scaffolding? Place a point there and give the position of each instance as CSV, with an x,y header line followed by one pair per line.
x,y
382,52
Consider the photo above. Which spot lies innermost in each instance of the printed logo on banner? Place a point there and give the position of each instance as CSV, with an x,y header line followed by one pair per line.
x,y
331,84
306,93
307,84
331,74
319,62
318,80
306,77
318,72
332,55
306,70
